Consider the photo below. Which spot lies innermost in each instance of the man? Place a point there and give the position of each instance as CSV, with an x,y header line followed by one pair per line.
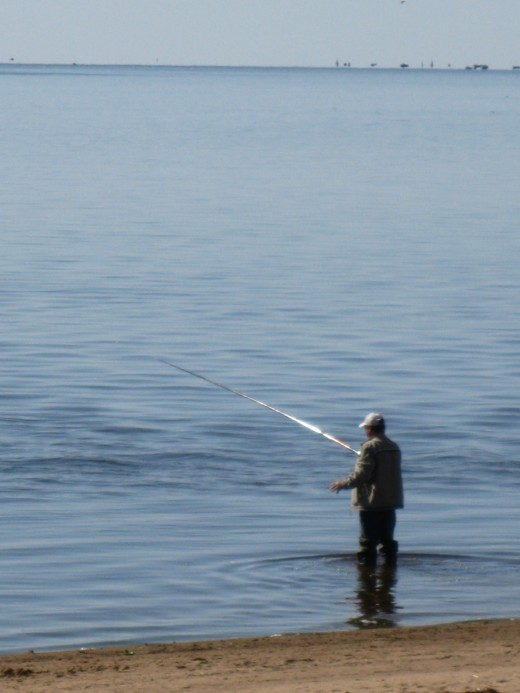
x,y
377,491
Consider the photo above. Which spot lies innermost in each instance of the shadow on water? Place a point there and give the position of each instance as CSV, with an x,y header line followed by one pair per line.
x,y
375,597
423,588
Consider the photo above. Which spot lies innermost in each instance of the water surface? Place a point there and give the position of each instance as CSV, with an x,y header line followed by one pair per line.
x,y
331,242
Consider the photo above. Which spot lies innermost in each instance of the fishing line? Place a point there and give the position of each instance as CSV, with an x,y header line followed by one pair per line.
x,y
309,426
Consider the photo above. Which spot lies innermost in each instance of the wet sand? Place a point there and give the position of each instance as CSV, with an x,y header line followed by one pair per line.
x,y
476,657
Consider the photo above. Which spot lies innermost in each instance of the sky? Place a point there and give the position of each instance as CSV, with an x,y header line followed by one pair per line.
x,y
307,33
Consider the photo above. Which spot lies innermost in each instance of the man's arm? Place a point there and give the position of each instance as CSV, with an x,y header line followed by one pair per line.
x,y
362,474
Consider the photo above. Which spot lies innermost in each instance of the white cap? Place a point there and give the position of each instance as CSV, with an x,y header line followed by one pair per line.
x,y
372,420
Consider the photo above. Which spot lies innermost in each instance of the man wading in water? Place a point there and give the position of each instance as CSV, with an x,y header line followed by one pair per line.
x,y
377,492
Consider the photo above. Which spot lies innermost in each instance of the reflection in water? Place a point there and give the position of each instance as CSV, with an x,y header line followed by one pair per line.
x,y
375,597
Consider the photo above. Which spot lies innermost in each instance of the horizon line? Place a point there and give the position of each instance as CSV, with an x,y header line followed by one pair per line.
x,y
480,67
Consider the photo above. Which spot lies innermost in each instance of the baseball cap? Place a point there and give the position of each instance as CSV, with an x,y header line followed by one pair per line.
x,y
371,420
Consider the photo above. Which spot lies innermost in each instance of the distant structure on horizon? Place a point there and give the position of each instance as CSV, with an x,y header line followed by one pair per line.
x,y
475,66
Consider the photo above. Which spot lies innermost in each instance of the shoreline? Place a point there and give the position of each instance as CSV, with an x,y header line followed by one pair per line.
x,y
466,657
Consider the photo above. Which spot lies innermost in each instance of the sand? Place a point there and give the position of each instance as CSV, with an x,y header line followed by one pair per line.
x,y
476,657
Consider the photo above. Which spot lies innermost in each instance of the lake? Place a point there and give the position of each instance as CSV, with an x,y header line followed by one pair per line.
x,y
328,241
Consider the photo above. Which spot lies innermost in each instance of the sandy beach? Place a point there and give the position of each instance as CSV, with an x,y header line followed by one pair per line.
x,y
476,657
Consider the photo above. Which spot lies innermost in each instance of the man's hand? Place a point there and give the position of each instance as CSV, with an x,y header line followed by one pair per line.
x,y
336,486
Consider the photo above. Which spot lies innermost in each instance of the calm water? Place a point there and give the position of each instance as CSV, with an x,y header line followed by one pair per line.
x,y
329,241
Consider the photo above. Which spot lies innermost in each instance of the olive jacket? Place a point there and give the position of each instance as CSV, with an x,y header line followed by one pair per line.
x,y
376,481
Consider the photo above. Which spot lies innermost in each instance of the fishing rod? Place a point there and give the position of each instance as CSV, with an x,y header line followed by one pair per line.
x,y
311,427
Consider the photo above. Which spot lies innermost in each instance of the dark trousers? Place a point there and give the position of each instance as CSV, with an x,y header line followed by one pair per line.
x,y
377,529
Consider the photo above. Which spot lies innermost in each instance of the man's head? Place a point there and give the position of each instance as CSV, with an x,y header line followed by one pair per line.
x,y
373,424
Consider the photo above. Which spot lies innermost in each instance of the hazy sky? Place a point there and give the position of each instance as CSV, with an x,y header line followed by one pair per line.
x,y
262,32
